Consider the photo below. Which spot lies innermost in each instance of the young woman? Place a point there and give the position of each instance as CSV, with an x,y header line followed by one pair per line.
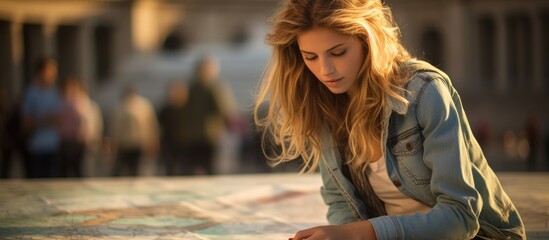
x,y
388,132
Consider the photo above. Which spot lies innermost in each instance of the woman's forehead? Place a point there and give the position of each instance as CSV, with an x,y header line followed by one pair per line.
x,y
321,39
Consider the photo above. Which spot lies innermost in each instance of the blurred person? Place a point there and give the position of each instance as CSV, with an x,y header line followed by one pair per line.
x,y
510,143
70,130
12,138
40,119
91,128
252,158
172,118
211,109
532,131
5,159
546,145
134,132
388,132
483,133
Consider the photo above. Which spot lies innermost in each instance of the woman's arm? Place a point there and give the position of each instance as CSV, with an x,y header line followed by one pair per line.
x,y
346,222
455,215
339,209
362,230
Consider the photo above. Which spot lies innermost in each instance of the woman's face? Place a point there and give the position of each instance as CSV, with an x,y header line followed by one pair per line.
x,y
334,58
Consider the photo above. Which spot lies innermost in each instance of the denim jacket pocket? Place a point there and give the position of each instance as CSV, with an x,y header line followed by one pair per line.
x,y
407,149
406,143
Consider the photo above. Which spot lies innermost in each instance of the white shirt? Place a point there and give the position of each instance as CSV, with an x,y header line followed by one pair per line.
x,y
396,203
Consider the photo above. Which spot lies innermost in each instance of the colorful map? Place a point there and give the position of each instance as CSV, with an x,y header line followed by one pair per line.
x,y
270,206
239,207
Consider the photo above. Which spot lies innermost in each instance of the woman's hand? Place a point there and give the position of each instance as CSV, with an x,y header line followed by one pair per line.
x,y
357,230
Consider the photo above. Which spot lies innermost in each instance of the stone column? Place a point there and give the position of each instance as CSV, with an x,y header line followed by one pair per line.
x,y
17,83
145,25
50,38
454,44
501,81
537,74
86,48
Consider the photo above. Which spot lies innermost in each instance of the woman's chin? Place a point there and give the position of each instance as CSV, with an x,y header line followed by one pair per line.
x,y
337,90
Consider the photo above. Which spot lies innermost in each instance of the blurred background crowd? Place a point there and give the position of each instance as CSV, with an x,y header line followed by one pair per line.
x,y
58,130
165,87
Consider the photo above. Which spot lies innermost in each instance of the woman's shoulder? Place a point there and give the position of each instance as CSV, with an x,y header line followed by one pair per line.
x,y
422,70
424,76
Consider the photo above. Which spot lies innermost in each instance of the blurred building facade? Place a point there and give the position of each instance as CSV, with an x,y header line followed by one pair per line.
x,y
495,51
99,40
89,39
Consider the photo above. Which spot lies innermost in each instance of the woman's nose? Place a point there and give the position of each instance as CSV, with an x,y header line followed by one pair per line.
x,y
326,67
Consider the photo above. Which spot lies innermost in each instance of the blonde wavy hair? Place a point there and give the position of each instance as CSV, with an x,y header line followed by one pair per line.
x,y
294,109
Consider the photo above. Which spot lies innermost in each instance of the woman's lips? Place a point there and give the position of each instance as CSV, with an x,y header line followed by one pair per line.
x,y
333,82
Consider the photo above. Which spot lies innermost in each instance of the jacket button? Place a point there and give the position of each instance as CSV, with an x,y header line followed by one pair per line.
x,y
397,182
409,146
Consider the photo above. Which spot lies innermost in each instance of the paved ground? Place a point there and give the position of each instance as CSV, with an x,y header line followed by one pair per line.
x,y
530,193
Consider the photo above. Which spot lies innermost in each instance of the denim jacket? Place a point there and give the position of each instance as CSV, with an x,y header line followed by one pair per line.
x,y
432,157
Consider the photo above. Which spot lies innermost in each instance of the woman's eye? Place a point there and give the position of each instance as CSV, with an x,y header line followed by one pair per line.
x,y
309,58
339,53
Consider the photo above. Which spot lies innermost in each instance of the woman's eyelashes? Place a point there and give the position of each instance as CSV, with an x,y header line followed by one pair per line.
x,y
339,53
310,57
334,53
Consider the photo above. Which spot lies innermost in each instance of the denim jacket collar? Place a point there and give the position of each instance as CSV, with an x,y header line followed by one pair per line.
x,y
415,66
397,106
